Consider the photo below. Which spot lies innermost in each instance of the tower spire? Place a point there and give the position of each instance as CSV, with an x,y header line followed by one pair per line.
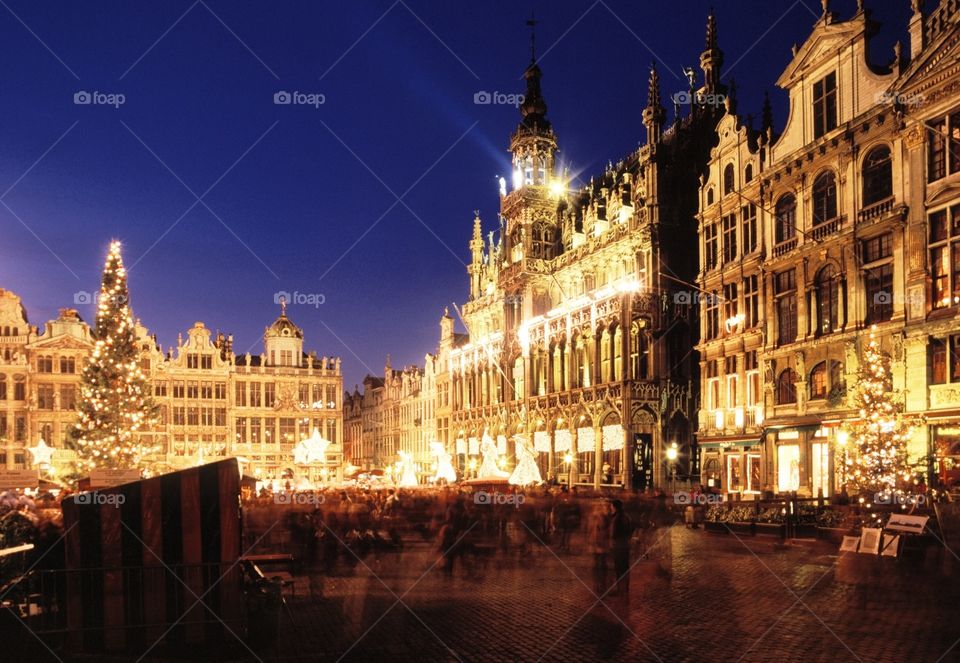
x,y
532,22
653,114
712,57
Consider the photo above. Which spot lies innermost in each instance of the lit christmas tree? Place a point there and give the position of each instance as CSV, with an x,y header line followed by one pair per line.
x,y
114,404
877,461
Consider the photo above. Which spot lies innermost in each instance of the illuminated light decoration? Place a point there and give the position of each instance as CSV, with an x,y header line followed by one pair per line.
x,y
113,406
444,468
407,473
733,323
526,472
42,453
738,417
488,465
311,449
629,285
612,437
502,444
874,448
557,188
541,441
474,446
758,415
718,422
586,439
562,440
502,185
461,446
517,179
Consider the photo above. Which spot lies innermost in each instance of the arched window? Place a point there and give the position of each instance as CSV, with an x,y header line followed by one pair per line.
x,y
710,196
605,352
617,353
787,387
827,292
818,381
3,387
728,179
748,173
877,176
786,221
824,198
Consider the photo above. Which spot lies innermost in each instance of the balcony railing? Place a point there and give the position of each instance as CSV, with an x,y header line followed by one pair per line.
x,y
875,210
826,228
785,247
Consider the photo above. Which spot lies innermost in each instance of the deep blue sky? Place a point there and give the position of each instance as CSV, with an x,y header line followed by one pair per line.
x,y
398,99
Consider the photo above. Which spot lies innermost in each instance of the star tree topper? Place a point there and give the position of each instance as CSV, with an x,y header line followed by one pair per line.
x,y
42,453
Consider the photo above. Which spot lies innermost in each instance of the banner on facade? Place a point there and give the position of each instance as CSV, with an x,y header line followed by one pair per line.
x,y
502,444
461,446
562,440
613,435
586,440
541,441
474,446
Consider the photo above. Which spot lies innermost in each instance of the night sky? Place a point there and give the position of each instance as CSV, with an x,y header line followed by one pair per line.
x,y
304,199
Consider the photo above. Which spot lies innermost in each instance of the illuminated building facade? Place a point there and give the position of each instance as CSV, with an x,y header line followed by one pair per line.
x,y
211,402
846,219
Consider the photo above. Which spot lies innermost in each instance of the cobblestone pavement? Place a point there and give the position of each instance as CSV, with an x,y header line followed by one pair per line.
x,y
702,596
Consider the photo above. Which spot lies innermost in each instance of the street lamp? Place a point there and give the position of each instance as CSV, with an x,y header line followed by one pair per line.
x,y
672,457
568,459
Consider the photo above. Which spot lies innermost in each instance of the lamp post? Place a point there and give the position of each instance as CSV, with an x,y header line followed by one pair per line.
x,y
568,459
672,457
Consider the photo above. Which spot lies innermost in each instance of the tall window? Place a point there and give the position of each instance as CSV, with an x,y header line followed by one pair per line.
x,y
3,389
45,364
828,300
728,179
818,381
729,224
730,306
68,397
944,245
786,218
68,365
943,147
751,301
877,176
824,198
825,105
785,291
878,277
944,359
713,315
748,173
787,387
749,215
710,239
45,396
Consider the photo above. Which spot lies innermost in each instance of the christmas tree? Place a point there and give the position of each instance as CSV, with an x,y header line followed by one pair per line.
x,y
114,404
878,460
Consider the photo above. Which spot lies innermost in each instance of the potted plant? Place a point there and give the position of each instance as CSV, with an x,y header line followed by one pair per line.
x,y
770,522
829,525
740,520
713,520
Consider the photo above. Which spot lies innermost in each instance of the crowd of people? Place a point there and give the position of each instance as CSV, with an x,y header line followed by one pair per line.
x,y
331,531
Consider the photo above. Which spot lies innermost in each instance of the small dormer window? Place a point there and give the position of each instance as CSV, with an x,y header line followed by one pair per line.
x,y
825,105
